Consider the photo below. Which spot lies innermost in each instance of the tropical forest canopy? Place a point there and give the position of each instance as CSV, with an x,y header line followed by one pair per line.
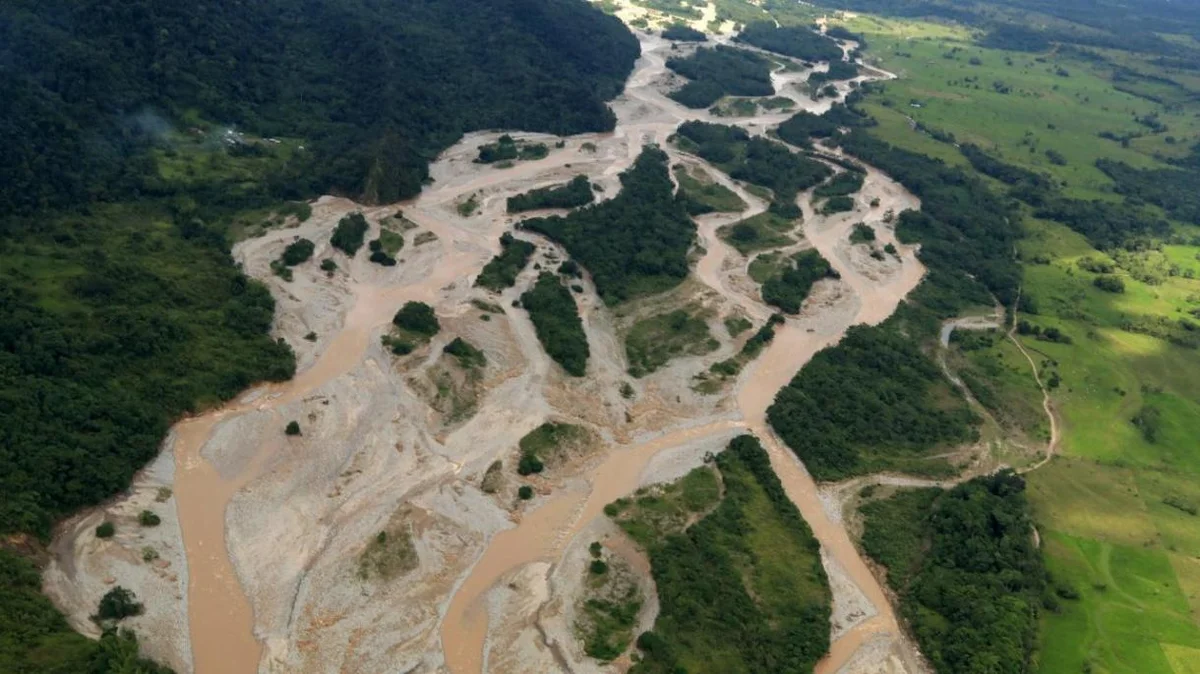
x,y
91,84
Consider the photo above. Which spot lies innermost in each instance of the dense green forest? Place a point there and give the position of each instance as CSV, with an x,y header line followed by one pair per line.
x,y
556,320
107,335
969,575
798,41
635,243
719,72
755,160
501,271
577,192
742,590
866,403
91,85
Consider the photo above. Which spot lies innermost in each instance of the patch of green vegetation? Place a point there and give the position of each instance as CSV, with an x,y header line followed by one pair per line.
x,y
970,580
467,355
507,149
390,553
34,636
349,233
551,443
661,510
797,41
788,289
467,207
609,608
413,325
735,107
390,241
842,184
740,584
635,243
556,320
759,232
501,271
838,204
655,340
701,194
683,33
719,373
297,252
755,160
417,317
718,72
874,402
862,233
736,325
577,192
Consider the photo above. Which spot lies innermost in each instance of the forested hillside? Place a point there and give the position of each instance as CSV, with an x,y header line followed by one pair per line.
x,y
375,88
124,177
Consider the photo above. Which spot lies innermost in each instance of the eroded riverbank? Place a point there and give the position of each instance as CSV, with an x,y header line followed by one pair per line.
x,y
271,527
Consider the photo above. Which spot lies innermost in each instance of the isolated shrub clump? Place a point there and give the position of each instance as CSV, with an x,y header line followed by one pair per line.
x,y
118,604
349,234
417,317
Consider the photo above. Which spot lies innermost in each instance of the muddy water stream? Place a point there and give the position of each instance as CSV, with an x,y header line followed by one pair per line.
x,y
221,620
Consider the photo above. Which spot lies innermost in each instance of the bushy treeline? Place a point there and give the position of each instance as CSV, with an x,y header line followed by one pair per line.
x,y
577,192
1028,186
502,270
969,576
718,72
1105,224
798,41
790,288
556,320
635,243
871,394
838,70
966,231
756,160
842,184
1175,190
91,84
683,33
741,591
34,636
142,323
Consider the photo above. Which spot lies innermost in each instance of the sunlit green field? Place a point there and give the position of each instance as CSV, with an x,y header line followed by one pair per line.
x,y
1051,103
1117,512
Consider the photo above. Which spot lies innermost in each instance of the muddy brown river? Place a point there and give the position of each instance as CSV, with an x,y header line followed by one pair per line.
x,y
220,618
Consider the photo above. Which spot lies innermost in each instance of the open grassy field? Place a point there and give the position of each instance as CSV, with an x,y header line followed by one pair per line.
x,y
1118,511
1015,105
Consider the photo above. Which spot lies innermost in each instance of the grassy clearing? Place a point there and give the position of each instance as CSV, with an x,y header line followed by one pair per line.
x,y
760,232
391,552
705,195
609,609
654,341
551,444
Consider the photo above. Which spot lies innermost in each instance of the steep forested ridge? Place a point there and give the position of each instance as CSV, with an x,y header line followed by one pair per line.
x,y
377,87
